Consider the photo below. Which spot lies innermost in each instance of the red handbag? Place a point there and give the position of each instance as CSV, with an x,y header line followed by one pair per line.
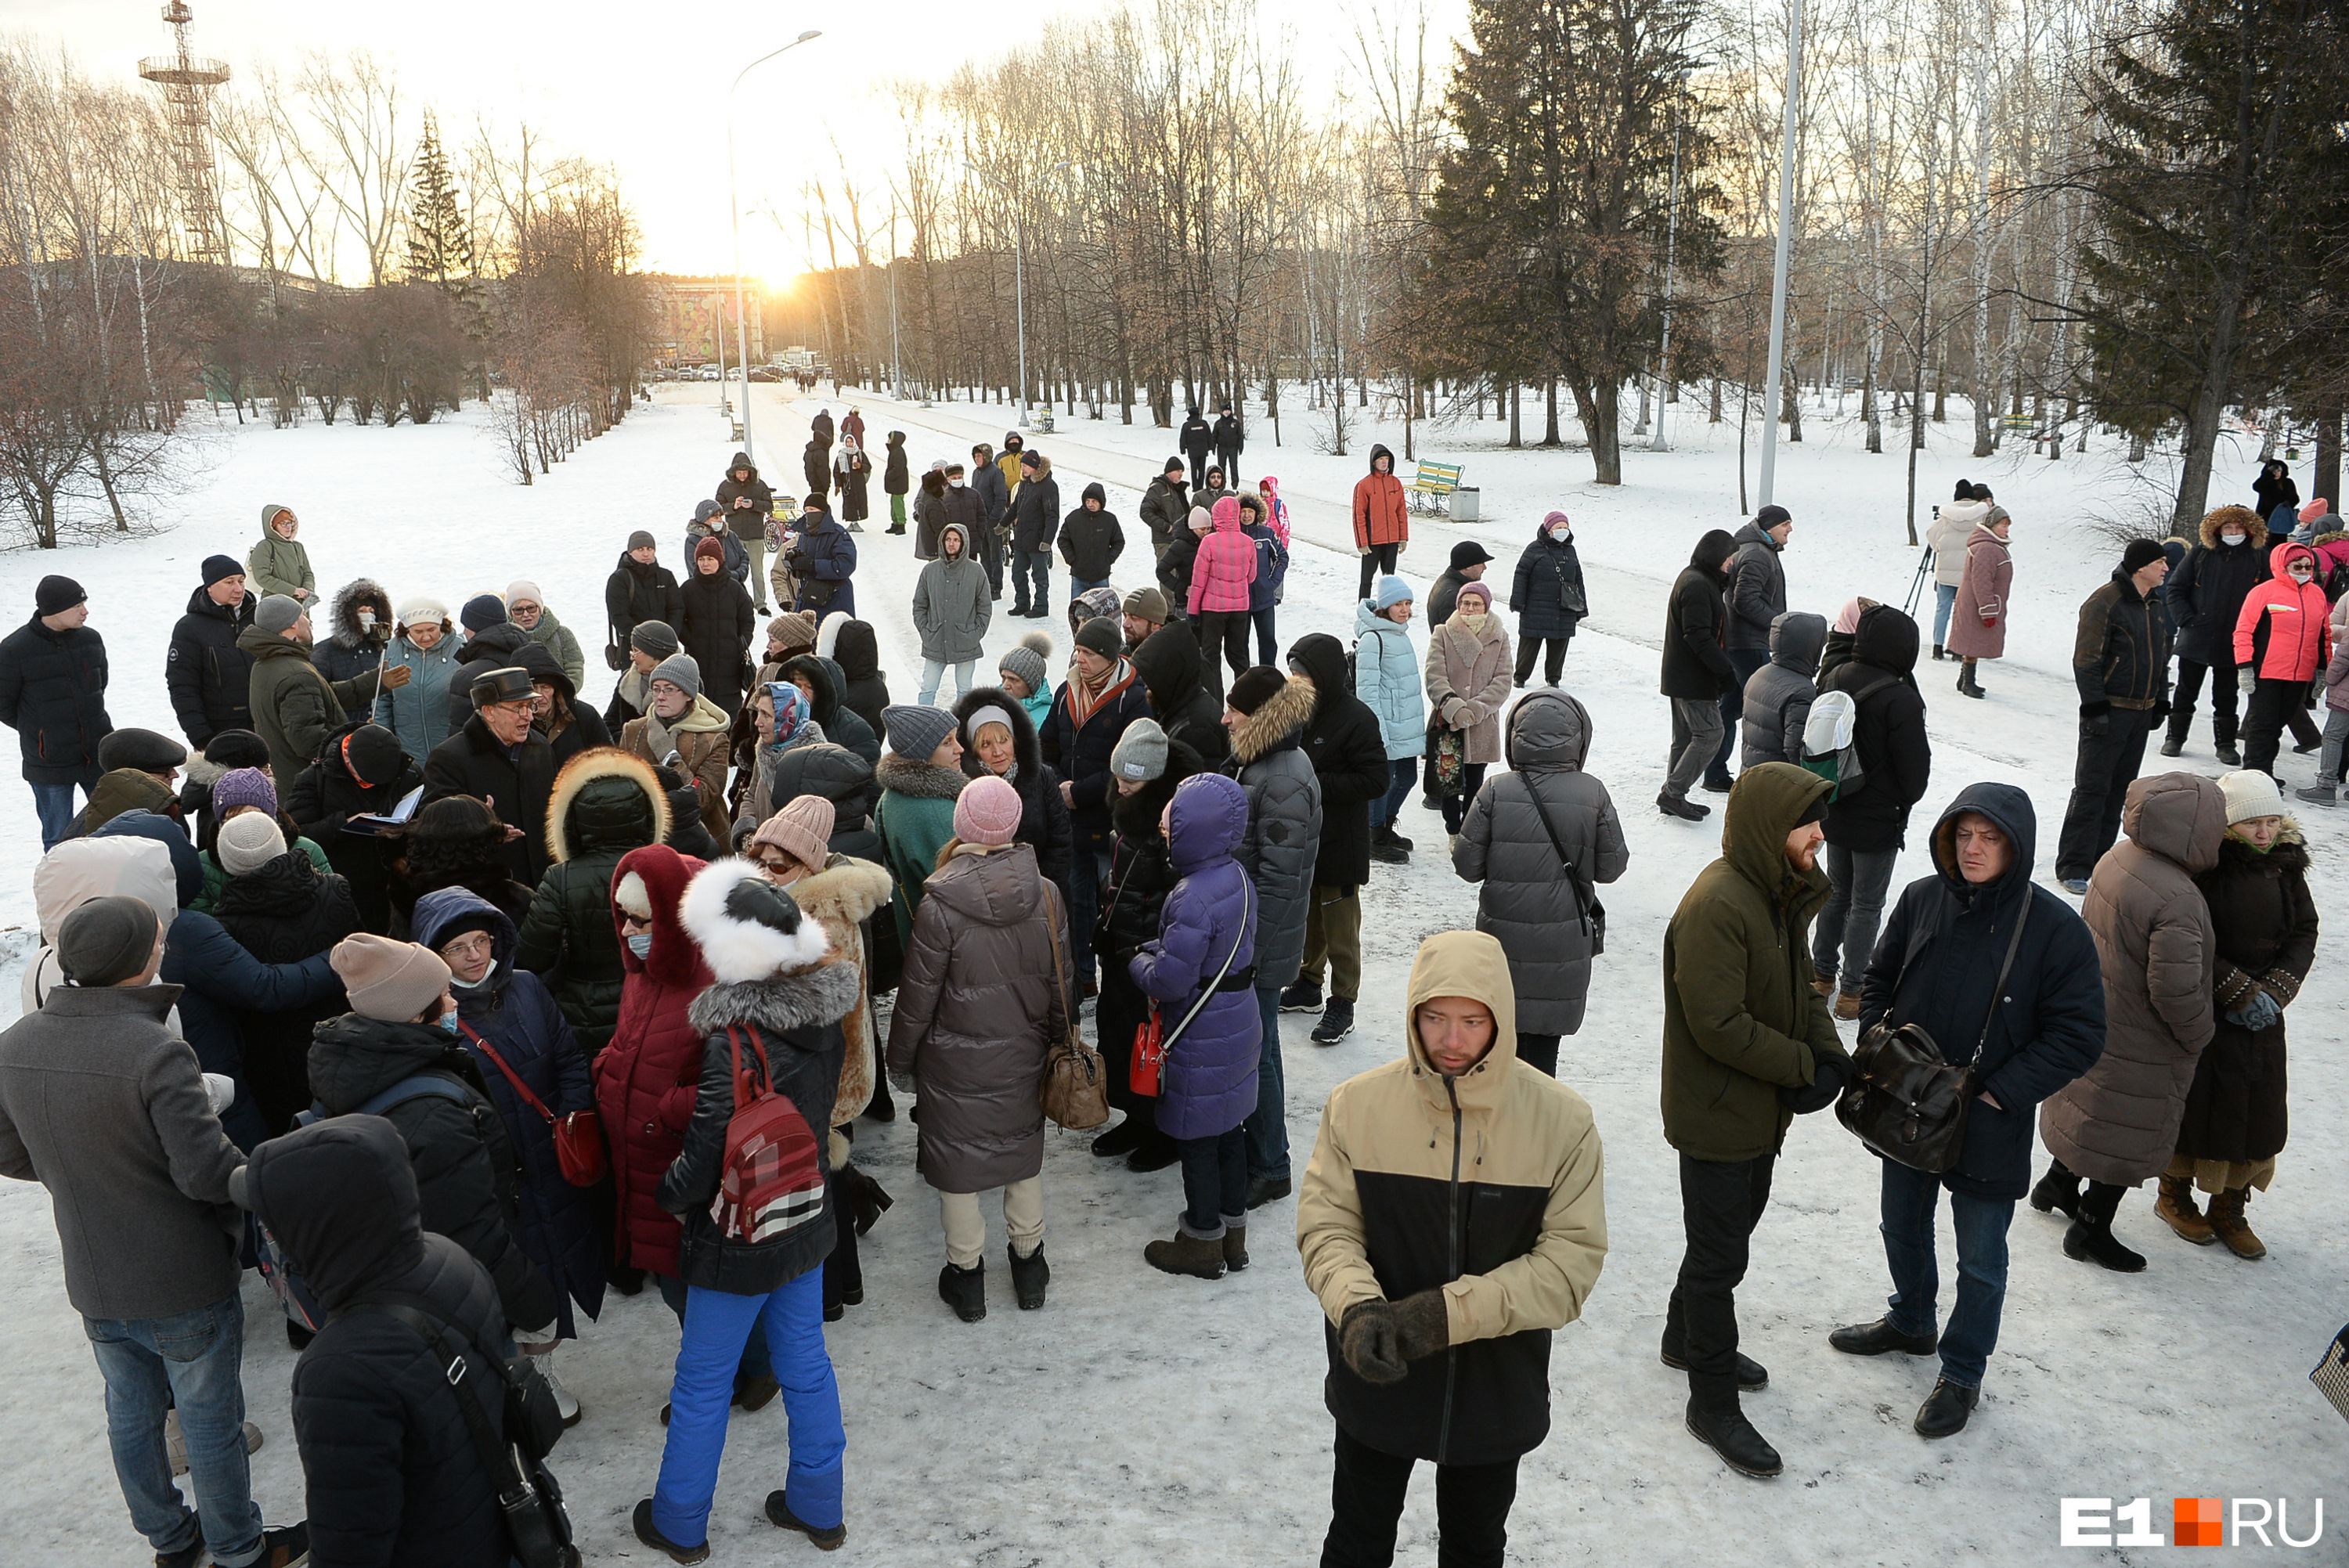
x,y
1149,1055
578,1137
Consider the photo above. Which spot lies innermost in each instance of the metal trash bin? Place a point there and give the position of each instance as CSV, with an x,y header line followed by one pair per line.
x,y
1467,504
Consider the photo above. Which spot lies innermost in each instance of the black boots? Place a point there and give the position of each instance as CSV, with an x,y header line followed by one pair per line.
x,y
1681,806
1752,1375
649,1533
1723,1429
1337,1022
780,1514
1876,1339
2223,727
1030,1276
1124,1137
965,1290
1263,1190
1945,1409
2090,1239
2059,1189
1937,653
1966,682
1302,996
1388,847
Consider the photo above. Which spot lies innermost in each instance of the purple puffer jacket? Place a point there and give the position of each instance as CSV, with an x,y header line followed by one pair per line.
x,y
1210,1078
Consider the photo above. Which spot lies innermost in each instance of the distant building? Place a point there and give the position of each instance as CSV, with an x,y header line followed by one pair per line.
x,y
689,314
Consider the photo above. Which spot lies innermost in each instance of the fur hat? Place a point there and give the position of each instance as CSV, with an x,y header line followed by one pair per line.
x,y
801,829
393,981
655,639
630,895
243,787
1102,635
1140,754
681,672
2250,793
988,811
278,613
748,928
237,748
248,843
106,940
481,611
916,729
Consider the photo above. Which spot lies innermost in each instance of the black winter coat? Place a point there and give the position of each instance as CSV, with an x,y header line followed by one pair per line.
x,y
52,695
1937,964
1080,753
1043,815
208,676
1091,541
842,725
1169,662
464,1164
1537,593
518,782
283,913
989,491
1165,508
2205,597
2266,922
636,592
1175,564
894,477
1195,437
393,1477
325,797
748,522
1696,667
1036,511
1228,440
347,650
2120,656
1888,729
1348,754
857,651
720,622
602,809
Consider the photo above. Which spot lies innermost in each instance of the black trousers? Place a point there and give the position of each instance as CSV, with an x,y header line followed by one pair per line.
x,y
1746,662
2275,704
1366,1491
1539,1051
1720,1202
1199,469
2190,676
2100,781
1225,632
1552,668
1381,559
1228,460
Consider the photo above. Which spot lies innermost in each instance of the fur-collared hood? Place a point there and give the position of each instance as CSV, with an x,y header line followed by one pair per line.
x,y
344,615
748,934
1043,463
2242,517
847,890
919,777
1026,751
1285,714
199,770
822,994
597,763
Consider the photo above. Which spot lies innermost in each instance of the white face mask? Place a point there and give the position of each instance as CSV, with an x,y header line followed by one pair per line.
x,y
954,484
367,619
640,943
1561,534
2234,538
2301,572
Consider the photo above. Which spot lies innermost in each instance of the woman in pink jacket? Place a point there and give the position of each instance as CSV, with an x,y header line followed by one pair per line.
x,y
1978,628
2282,638
1219,593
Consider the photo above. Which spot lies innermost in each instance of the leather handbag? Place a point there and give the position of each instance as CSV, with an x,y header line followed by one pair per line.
x,y
1075,1091
1908,1101
578,1137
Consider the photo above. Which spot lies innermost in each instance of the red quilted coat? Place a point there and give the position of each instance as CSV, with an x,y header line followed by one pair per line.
x,y
645,1079
2282,630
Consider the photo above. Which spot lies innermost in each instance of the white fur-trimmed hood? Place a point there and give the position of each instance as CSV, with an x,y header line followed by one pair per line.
x,y
737,950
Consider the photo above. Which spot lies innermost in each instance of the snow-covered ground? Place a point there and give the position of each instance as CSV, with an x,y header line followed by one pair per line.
x,y
1143,1419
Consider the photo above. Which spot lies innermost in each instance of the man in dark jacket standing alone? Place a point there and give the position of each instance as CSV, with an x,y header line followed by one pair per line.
x,y
1091,541
1036,521
1867,826
1748,1043
2030,1016
1350,757
208,676
52,695
103,1103
2121,663
1195,439
1757,595
1696,671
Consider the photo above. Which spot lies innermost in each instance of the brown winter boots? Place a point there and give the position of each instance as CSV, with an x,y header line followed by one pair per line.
x,y
2227,1220
2175,1208
1201,1257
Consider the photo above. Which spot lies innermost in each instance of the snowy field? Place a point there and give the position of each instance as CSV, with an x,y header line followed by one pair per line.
x,y
1144,1420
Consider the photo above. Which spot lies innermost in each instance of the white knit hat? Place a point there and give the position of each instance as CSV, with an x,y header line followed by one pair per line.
x,y
250,841
2250,793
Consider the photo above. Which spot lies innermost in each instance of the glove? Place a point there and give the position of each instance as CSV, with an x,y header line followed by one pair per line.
x,y
1989,621
2259,1013
2096,724
902,1082
2160,710
1422,1325
1367,1339
2249,679
1830,1072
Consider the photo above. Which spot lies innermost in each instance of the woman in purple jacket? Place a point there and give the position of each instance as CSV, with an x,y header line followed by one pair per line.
x,y
1207,928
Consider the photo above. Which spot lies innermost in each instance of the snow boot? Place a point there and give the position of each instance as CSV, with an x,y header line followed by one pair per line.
x,y
1387,848
1937,653
1304,997
2173,747
2175,1208
2230,755
965,1290
780,1514
1966,682
2227,1219
1681,806
1030,1276
1202,1258
649,1533
1877,1337
1337,1022
1124,1137
2223,730
1236,1256
2089,1241
1263,1190
1724,1430
2059,1189
1944,1414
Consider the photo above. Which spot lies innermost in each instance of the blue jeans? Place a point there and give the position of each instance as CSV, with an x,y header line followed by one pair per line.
x,y
755,1361
1215,1182
1028,563
54,803
717,1326
1079,586
1402,772
935,670
1911,1198
1945,595
1267,1126
1267,648
195,1361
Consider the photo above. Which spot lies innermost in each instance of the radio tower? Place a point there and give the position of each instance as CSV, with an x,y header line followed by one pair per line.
x,y
187,82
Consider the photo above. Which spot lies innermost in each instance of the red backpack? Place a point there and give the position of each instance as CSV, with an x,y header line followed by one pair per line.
x,y
771,1178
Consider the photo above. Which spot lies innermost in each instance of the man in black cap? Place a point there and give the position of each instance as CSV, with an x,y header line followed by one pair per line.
x,y
2120,661
639,589
497,757
209,677
52,695
1468,562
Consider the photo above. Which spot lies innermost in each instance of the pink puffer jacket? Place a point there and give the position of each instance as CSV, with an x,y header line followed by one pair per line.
x,y
1226,564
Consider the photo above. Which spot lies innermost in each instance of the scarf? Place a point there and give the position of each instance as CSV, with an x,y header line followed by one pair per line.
x,y
790,712
1084,699
1474,624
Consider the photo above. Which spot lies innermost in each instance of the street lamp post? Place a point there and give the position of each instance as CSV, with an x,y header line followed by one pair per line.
x,y
734,203
1018,276
1672,235
1778,271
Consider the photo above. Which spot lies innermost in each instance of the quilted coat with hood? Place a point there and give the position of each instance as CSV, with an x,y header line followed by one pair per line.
x,y
1741,1019
513,1012
1888,727
1387,679
418,712
719,624
1487,1187
952,604
852,646
2284,630
1696,667
1225,566
1779,695
1343,743
605,803
1043,816
276,566
1284,830
1381,515
1468,671
646,1074
391,1474
2205,593
1538,592
1210,914
2118,1121
2266,922
1091,538
1526,899
81,870
1170,665
978,1008
1036,507
351,649
1982,596
208,676
1133,896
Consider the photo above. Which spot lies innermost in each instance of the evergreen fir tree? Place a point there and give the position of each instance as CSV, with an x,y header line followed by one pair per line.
x,y
439,240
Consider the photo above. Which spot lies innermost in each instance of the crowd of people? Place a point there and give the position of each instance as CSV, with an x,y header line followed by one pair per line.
x,y
451,1001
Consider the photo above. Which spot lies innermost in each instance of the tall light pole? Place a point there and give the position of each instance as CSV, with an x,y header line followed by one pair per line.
x,y
1785,224
1018,276
1672,235
734,203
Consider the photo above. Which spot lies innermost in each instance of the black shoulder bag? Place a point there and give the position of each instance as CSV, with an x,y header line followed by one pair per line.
x,y
1906,1100
1587,907
537,1524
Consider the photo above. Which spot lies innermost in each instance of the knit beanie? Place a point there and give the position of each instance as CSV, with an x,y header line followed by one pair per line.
x,y
278,613
393,981
243,787
681,672
2250,793
1027,665
1473,591
987,811
1201,520
423,610
709,549
248,843
1390,591
481,611
793,629
1103,636
706,510
1174,466
522,591
1140,754
1147,605
1254,687
106,940
2140,555
801,829
1554,519
56,596
217,567
373,756
1770,517
916,729
641,538
980,717
655,639
2315,509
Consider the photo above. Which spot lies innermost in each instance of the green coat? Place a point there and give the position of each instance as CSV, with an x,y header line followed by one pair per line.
x,y
1741,1018
556,638
279,565
914,819
294,708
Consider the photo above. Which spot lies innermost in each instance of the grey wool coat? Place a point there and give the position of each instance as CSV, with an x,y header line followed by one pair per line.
x,y
1284,827
1526,902
105,1105
2118,1121
952,604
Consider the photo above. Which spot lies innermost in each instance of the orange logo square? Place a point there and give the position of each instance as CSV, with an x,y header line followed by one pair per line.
x,y
2197,1521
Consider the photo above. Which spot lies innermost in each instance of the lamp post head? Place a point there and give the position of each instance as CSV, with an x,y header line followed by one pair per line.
x,y
811,32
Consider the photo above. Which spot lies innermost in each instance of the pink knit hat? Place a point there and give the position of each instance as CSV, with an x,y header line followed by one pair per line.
x,y
2315,509
987,811
801,829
